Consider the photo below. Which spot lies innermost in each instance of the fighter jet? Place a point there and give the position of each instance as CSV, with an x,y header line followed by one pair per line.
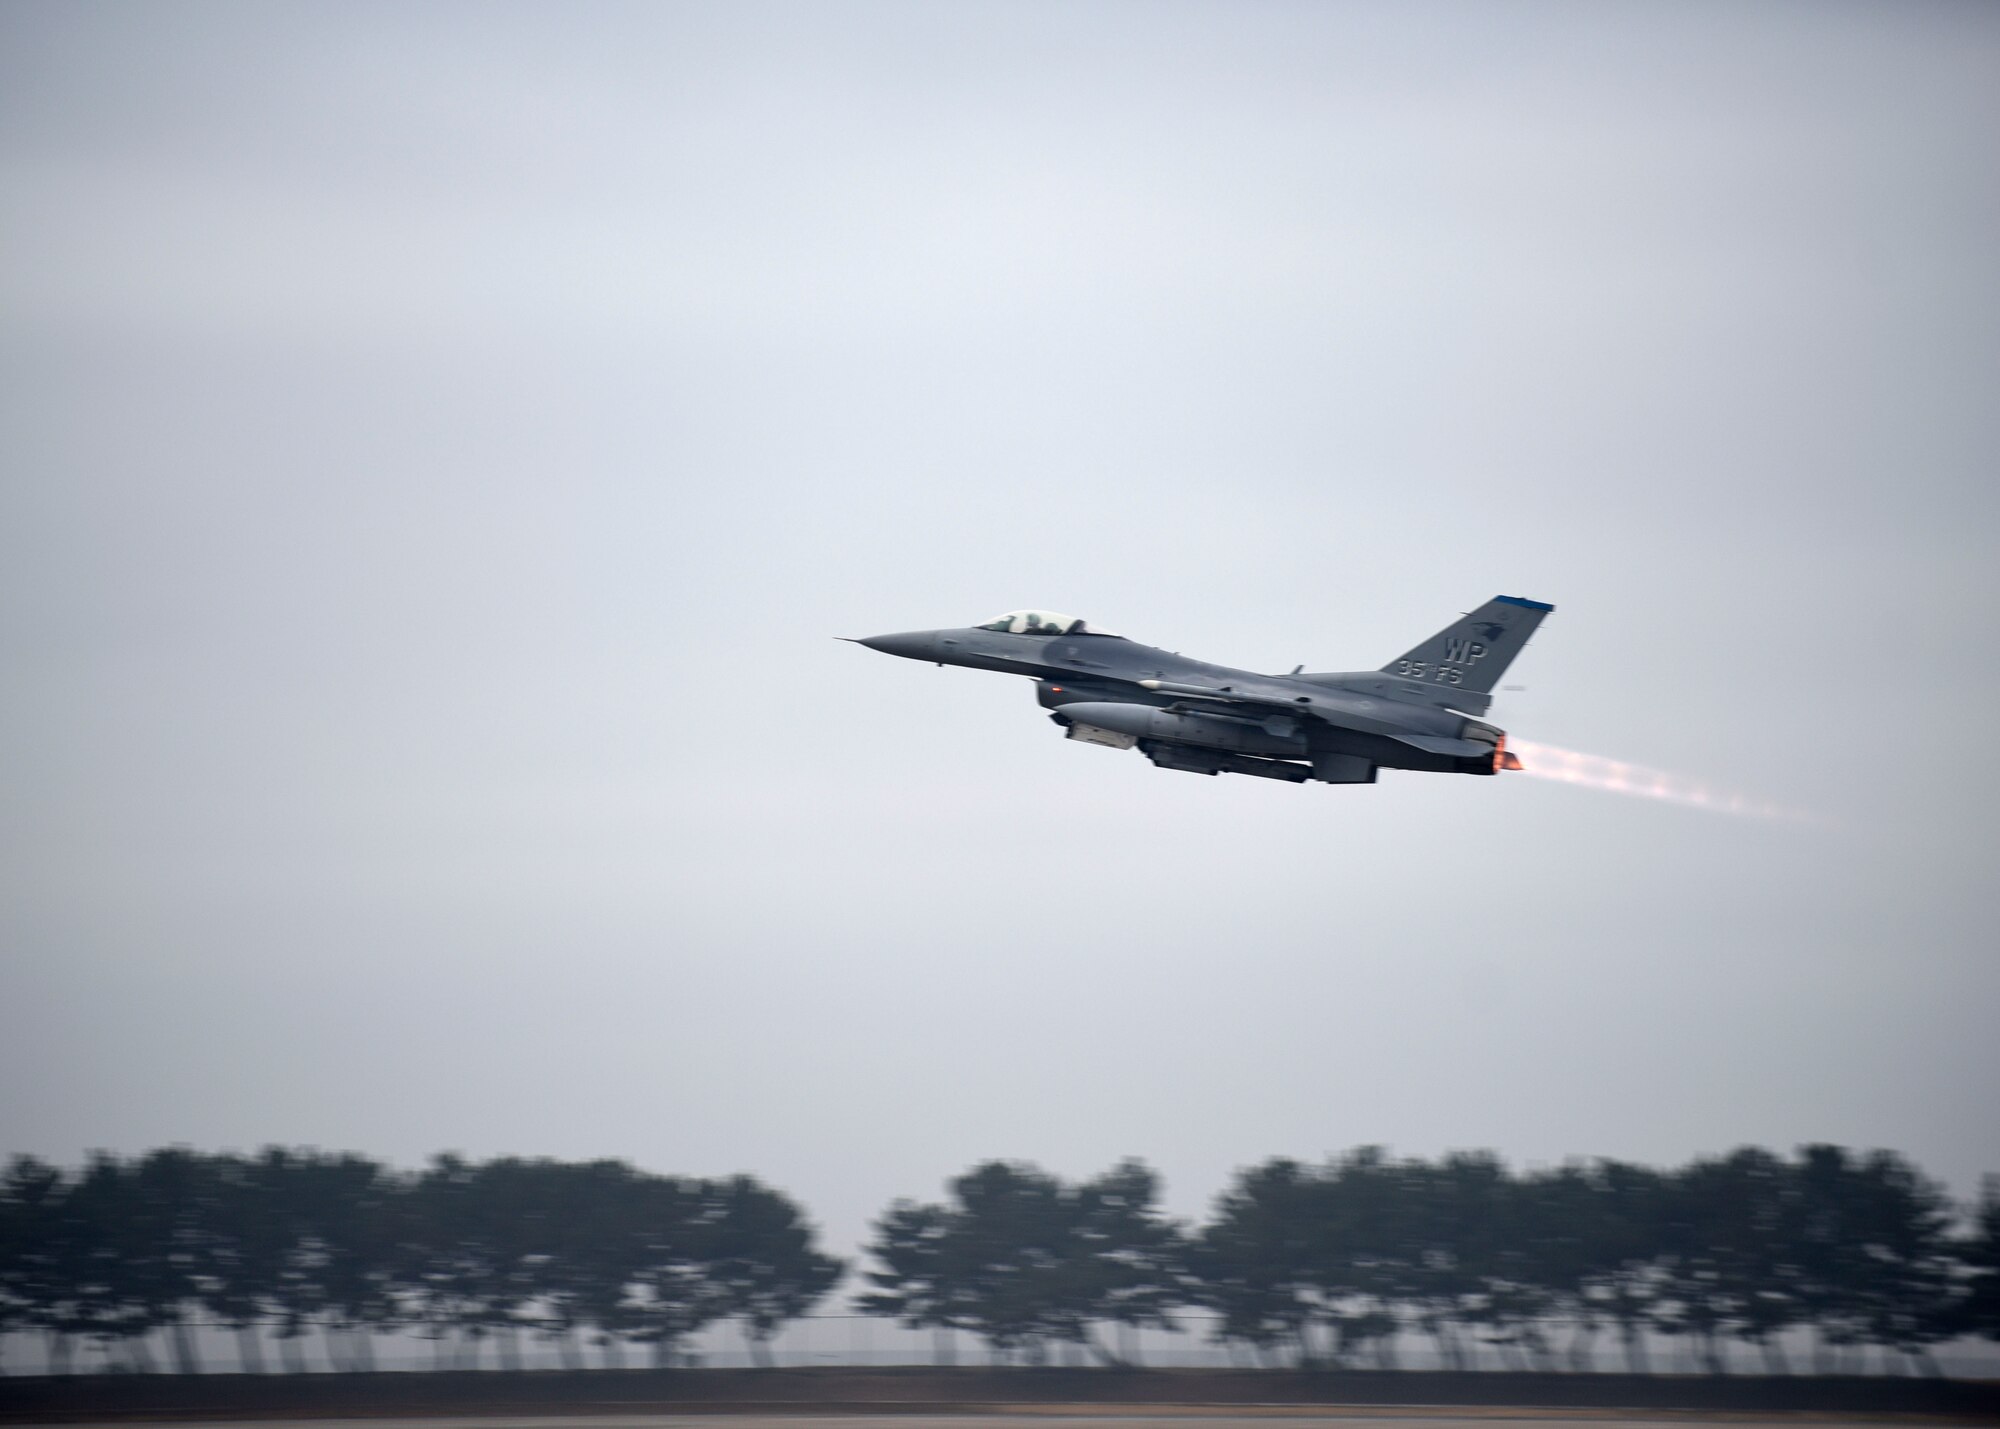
x,y
1416,712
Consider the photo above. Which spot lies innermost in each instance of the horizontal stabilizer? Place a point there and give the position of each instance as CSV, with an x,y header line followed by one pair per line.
x,y
1439,744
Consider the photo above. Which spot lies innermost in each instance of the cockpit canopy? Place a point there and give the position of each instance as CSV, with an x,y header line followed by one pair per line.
x,y
1038,622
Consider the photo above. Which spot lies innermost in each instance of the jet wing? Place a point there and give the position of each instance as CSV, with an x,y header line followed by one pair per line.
x,y
1226,695
1243,702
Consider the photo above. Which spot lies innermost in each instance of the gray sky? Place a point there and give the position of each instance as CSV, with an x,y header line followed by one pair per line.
x,y
437,443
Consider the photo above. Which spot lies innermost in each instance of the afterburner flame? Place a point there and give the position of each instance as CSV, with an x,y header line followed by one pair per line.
x,y
1615,776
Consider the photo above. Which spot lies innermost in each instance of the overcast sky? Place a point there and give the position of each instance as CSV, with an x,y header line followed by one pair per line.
x,y
438,443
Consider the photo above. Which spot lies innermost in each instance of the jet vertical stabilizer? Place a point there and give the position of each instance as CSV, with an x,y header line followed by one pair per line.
x,y
1474,652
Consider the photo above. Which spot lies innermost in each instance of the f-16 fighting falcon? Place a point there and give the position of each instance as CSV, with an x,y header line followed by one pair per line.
x,y
1416,712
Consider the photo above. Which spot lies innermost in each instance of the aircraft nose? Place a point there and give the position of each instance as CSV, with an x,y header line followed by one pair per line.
x,y
910,644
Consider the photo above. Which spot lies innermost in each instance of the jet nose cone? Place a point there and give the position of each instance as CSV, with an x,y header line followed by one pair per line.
x,y
910,644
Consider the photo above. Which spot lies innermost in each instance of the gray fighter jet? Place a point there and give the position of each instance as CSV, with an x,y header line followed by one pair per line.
x,y
1416,712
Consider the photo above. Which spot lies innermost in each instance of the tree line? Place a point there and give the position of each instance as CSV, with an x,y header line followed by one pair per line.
x,y
464,1254
1338,1264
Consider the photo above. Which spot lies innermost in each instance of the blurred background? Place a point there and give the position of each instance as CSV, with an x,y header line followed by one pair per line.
x,y
438,444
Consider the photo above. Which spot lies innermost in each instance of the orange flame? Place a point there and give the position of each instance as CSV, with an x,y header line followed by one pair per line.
x,y
1615,776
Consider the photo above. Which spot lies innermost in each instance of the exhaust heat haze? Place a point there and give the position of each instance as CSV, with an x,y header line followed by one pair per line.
x,y
1594,771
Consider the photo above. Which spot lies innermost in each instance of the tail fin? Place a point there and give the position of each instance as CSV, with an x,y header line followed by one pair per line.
x,y
1473,652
